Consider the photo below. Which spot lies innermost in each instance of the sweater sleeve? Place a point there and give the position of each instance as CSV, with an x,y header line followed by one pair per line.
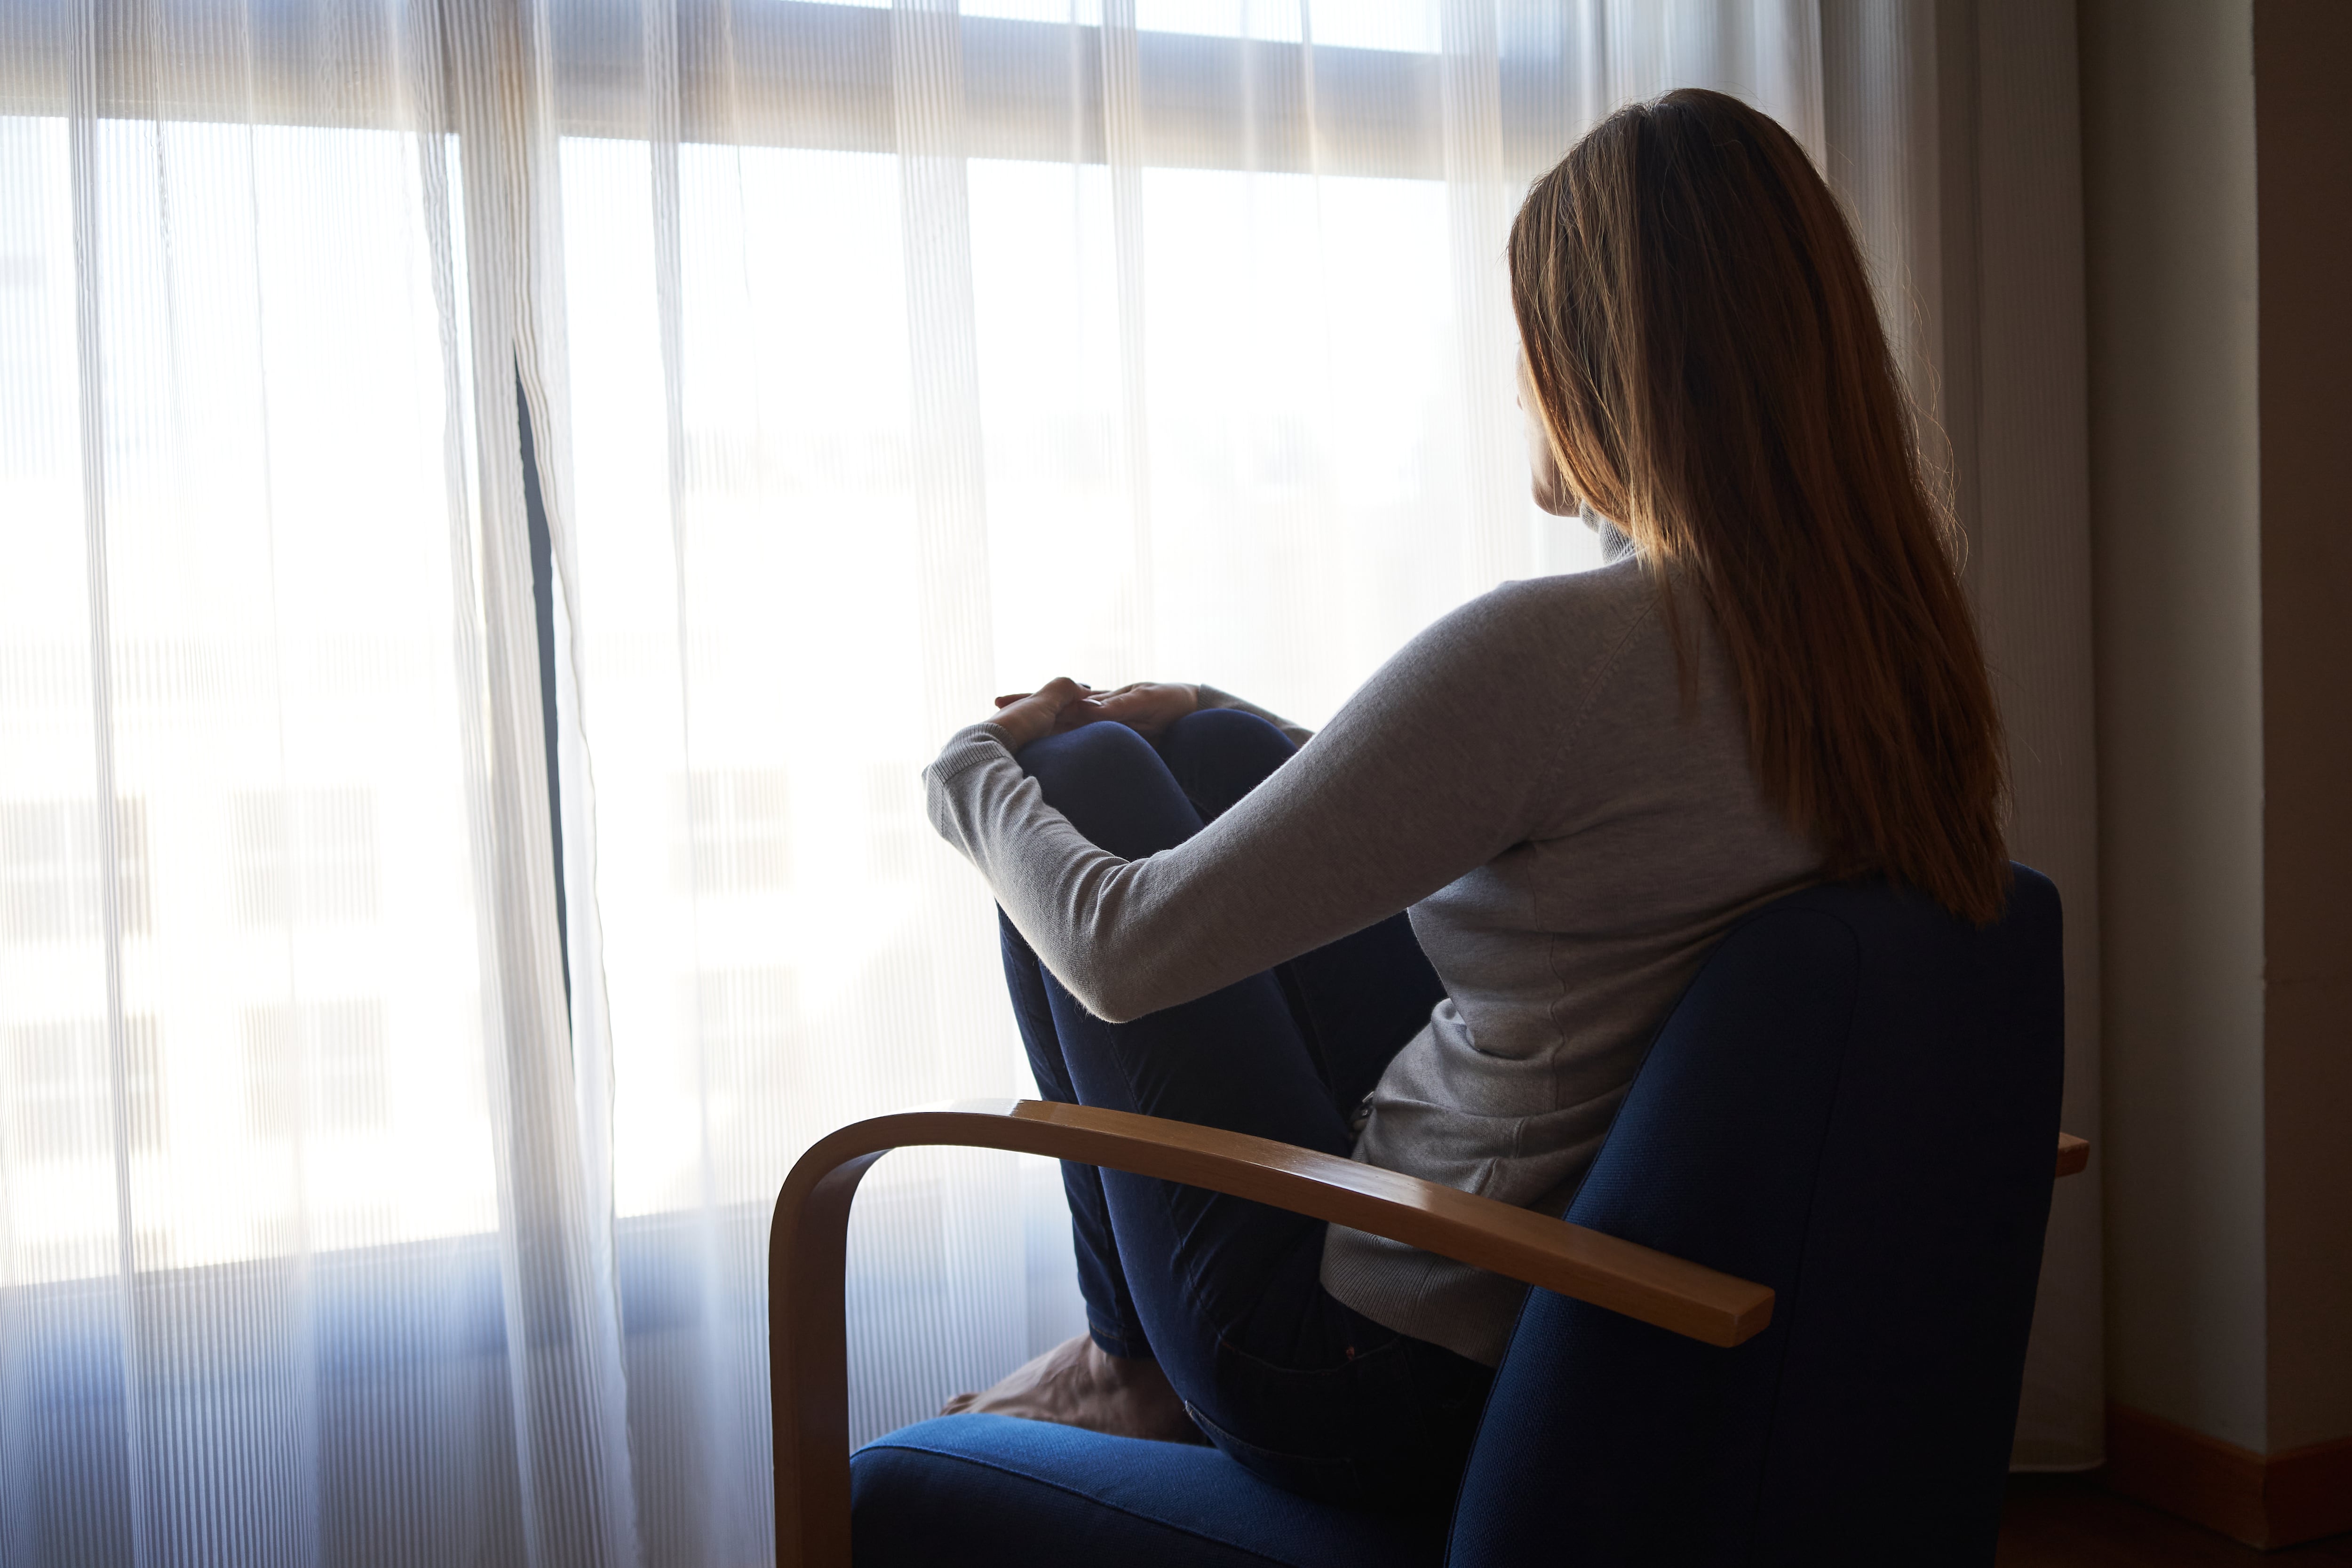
x,y
1436,766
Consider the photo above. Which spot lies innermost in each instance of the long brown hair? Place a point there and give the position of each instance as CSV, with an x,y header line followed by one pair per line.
x,y
1708,363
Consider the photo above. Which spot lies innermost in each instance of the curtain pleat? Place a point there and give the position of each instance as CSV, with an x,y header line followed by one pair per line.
x,y
1480,196
307,1257
549,1110
2014,339
361,1200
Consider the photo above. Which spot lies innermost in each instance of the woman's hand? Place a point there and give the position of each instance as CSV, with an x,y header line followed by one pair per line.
x,y
1146,707
1031,716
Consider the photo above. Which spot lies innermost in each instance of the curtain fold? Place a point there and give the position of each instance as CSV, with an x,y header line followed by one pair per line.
x,y
361,1198
548,1100
2011,234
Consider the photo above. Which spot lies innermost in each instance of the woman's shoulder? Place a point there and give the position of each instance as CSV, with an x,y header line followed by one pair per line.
x,y
1544,641
1573,616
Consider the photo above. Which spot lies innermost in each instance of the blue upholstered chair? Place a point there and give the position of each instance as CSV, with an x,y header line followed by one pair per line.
x,y
1813,1236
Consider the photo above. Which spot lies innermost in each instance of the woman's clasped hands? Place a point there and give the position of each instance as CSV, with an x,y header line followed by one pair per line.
x,y
1146,707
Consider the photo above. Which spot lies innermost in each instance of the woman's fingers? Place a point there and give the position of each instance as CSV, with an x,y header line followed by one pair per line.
x,y
1128,704
1030,718
1087,710
1014,696
1121,706
1146,707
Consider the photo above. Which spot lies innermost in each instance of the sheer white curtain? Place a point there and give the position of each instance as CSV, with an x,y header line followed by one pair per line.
x,y
303,1254
369,1191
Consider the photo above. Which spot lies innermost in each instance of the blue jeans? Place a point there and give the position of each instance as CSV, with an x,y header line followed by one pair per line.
x,y
1227,1294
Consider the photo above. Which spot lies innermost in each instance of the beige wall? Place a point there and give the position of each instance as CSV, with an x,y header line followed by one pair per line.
x,y
2302,50
2215,215
2170,209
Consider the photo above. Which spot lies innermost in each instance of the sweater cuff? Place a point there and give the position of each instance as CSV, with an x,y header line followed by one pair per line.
x,y
973,746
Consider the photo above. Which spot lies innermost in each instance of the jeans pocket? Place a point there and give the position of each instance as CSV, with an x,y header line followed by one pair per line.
x,y
1323,1433
1325,1477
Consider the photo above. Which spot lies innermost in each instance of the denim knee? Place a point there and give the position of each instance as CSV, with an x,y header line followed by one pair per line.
x,y
1114,788
1220,754
1229,727
1088,760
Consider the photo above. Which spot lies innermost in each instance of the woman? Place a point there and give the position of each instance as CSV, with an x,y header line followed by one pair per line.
x,y
1571,788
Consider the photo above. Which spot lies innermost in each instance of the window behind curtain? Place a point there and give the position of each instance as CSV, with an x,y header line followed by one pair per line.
x,y
296,1026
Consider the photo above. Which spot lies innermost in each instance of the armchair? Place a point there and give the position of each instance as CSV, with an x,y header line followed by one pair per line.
x,y
1784,1319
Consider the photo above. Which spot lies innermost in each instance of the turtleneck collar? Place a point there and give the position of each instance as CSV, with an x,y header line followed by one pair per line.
x,y
1614,546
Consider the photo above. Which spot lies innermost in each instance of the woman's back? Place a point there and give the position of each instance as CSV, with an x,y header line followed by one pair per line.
x,y
1646,838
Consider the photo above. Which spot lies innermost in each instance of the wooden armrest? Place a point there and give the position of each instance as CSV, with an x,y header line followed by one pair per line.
x,y
808,1373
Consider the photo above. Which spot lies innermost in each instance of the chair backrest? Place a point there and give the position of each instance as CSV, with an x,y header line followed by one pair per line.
x,y
1855,1103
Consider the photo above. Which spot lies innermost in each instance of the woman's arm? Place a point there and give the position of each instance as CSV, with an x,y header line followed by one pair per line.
x,y
1441,762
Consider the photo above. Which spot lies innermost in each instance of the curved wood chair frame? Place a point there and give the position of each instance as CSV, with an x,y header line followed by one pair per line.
x,y
807,1333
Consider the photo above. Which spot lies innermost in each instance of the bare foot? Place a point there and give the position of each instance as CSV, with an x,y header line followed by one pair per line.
x,y
1079,1383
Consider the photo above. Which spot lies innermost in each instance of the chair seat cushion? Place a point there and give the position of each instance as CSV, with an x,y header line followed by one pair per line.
x,y
983,1491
